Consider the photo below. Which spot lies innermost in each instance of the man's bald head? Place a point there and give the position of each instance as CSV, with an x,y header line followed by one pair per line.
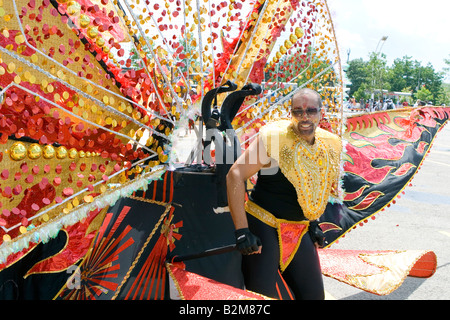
x,y
308,92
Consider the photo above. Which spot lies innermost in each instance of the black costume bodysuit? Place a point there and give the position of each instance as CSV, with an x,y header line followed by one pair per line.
x,y
302,279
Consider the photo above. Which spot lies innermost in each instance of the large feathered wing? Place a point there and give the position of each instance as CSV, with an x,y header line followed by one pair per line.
x,y
383,152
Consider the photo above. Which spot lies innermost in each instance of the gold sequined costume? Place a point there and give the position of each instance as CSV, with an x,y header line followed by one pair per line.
x,y
285,201
312,170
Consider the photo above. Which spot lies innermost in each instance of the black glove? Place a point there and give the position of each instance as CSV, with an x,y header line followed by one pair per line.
x,y
246,242
316,233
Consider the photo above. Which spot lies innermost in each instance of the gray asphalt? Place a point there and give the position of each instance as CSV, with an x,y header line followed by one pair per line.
x,y
420,220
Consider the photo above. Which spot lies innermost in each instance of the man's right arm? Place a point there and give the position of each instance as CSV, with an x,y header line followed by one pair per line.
x,y
248,164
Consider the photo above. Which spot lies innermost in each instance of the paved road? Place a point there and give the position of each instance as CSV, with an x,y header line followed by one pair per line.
x,y
419,220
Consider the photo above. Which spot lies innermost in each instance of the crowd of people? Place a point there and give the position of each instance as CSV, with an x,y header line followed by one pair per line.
x,y
371,105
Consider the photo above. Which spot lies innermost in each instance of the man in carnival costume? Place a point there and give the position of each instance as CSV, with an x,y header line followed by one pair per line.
x,y
276,229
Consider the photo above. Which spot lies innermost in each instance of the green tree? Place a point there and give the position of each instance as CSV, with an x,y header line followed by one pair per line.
x,y
447,68
424,94
430,78
368,78
401,74
357,74
362,93
446,95
405,75
377,75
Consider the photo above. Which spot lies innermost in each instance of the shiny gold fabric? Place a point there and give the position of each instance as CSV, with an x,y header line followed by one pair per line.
x,y
312,169
290,233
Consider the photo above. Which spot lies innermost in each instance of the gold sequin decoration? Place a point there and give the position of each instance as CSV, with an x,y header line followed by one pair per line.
x,y
61,152
48,152
34,151
18,151
313,170
72,153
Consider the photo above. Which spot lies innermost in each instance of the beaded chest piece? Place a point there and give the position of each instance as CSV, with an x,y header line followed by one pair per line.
x,y
312,169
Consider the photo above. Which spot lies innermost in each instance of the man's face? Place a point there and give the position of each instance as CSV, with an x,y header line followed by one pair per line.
x,y
306,115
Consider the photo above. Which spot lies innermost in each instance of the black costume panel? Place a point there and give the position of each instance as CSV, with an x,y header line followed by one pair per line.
x,y
302,279
276,194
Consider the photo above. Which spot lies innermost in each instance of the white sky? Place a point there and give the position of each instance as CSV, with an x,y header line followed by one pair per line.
x,y
417,28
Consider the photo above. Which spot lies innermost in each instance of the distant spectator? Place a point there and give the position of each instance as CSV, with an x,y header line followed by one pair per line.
x,y
390,105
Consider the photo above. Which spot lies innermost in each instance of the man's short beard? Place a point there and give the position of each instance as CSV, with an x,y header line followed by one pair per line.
x,y
296,123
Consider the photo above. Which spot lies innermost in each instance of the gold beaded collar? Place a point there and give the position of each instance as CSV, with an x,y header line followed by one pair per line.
x,y
312,169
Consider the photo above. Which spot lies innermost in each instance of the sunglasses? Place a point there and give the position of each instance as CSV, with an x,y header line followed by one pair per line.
x,y
309,112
